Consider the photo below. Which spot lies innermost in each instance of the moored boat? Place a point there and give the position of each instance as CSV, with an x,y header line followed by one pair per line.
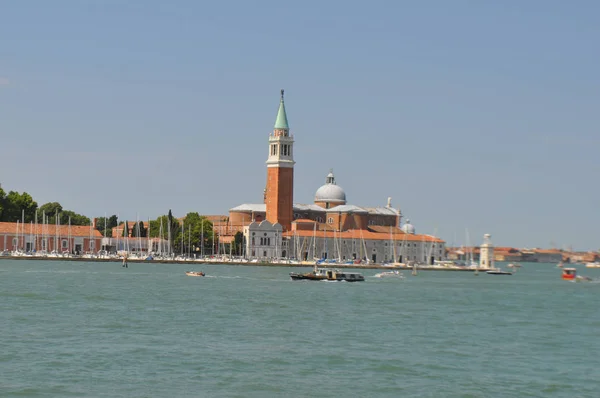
x,y
593,265
194,273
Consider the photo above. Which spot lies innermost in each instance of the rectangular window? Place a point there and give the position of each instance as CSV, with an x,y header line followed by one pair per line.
x,y
65,243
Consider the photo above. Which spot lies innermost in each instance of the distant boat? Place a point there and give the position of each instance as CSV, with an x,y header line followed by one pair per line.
x,y
514,265
569,274
389,274
498,272
321,274
593,265
194,273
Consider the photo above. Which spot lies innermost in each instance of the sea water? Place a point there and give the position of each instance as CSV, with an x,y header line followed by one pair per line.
x,y
83,329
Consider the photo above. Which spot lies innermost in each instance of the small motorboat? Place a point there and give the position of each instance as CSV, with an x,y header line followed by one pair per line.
x,y
569,274
498,271
389,274
514,265
194,273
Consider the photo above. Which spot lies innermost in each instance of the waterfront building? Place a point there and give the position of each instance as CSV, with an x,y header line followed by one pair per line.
x,y
31,237
329,227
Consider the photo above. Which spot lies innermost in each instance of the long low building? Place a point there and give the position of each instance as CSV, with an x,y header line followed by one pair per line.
x,y
30,237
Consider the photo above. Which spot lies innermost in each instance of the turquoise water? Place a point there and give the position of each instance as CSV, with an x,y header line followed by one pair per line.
x,y
71,329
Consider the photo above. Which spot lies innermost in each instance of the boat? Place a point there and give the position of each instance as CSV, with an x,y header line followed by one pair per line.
x,y
569,274
194,273
593,265
325,274
498,271
514,265
389,274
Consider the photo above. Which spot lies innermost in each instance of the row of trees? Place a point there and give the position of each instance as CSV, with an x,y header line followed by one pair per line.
x,y
16,206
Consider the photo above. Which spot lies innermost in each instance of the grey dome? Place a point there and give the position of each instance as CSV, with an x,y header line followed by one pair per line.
x,y
330,192
408,228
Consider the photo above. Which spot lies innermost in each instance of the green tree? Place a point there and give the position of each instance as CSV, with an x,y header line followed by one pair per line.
x,y
194,226
106,224
14,204
50,209
238,240
2,199
76,219
138,230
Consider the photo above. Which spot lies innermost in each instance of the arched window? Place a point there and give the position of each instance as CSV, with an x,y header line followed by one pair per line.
x,y
330,220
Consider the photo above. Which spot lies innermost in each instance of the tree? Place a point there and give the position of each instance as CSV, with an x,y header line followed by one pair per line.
x,y
50,209
193,229
238,240
15,204
138,230
106,224
2,199
76,219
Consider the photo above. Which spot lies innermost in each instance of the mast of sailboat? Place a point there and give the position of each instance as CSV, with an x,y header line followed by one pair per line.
x,y
44,243
139,237
69,232
36,232
169,235
56,231
160,238
202,238
117,245
182,235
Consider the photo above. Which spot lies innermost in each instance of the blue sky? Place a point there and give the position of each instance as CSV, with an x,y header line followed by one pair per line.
x,y
478,115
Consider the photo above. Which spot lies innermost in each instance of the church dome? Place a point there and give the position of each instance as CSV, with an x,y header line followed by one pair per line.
x,y
330,192
408,228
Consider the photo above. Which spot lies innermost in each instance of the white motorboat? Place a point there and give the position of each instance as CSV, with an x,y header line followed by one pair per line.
x,y
389,274
593,265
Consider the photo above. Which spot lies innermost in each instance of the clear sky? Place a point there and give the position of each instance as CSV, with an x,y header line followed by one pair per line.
x,y
478,115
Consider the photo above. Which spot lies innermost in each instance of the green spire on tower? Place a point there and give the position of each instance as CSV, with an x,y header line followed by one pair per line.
x,y
281,122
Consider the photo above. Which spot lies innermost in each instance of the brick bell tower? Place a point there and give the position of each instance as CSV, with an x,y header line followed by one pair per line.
x,y
279,195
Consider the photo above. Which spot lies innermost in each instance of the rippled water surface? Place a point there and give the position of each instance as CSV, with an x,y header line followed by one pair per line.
x,y
100,330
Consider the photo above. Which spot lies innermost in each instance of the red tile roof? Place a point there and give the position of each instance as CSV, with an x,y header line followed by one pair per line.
x,y
63,230
364,234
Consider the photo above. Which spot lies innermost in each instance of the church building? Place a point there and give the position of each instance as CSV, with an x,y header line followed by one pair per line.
x,y
329,227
